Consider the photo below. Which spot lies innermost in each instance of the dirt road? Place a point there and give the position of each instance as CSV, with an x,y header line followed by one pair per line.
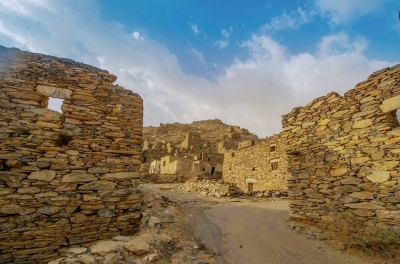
x,y
257,234
253,233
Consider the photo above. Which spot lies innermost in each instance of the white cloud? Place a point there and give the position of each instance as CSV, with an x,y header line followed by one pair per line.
x,y
342,11
340,43
252,93
226,33
221,44
136,35
194,28
200,57
24,7
292,20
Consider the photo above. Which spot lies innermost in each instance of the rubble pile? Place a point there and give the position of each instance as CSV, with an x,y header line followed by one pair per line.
x,y
164,237
204,187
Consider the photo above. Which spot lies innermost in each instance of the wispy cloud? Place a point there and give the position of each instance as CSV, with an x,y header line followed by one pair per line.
x,y
344,11
136,35
193,52
221,44
292,20
226,33
224,43
194,28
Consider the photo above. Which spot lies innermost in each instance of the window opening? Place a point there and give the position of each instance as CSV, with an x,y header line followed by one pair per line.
x,y
272,148
253,169
63,140
164,163
55,104
274,166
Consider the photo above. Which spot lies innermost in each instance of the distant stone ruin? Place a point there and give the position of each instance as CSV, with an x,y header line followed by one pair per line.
x,y
66,178
344,153
257,167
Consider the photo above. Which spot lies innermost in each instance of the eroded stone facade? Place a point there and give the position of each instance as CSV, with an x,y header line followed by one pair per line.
x,y
259,167
65,178
344,153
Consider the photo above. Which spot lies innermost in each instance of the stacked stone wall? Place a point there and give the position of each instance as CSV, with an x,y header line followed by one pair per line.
x,y
344,153
213,158
65,178
192,143
252,164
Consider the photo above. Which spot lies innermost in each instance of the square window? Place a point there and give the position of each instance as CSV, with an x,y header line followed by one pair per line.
x,y
253,169
272,148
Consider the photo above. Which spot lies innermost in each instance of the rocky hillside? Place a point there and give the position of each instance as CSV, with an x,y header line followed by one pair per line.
x,y
211,131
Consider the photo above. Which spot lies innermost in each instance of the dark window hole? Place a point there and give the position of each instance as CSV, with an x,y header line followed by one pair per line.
x,y
63,140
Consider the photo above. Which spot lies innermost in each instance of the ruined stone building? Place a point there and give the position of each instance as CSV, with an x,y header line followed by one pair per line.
x,y
257,167
191,157
173,164
155,167
191,144
211,163
156,150
344,153
65,178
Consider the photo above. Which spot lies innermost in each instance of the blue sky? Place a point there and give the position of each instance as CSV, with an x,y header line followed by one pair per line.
x,y
244,62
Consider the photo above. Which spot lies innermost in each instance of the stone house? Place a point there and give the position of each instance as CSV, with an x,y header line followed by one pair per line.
x,y
344,153
257,167
173,164
70,178
192,143
155,167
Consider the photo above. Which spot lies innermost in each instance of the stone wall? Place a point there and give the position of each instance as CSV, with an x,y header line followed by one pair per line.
x,y
192,143
65,178
212,158
253,164
344,153
173,164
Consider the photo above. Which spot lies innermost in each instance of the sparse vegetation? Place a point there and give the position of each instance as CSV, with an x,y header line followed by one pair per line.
x,y
357,233
144,168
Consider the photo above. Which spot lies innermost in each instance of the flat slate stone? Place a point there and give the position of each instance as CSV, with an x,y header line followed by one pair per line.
x,y
79,177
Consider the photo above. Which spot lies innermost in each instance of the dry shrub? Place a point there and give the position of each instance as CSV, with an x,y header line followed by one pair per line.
x,y
355,232
144,168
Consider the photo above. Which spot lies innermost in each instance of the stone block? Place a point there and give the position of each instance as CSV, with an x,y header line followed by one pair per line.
x,y
364,205
120,176
390,104
43,175
379,176
138,246
338,172
79,177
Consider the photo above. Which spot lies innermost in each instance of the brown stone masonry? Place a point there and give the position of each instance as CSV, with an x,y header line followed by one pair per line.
x,y
344,153
259,167
65,178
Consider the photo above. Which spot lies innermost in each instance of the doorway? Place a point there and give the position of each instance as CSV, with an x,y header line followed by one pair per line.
x,y
250,186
